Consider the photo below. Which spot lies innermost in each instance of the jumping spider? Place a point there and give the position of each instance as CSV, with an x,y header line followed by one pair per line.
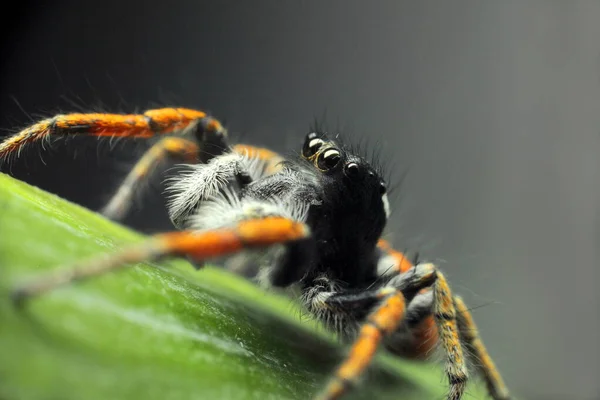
x,y
314,221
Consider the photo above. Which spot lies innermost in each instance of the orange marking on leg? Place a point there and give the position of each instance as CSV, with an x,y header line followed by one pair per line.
x,y
258,232
151,123
495,384
171,119
30,134
382,321
186,149
389,313
202,245
361,354
261,232
272,158
197,244
401,261
445,318
102,124
255,152
177,147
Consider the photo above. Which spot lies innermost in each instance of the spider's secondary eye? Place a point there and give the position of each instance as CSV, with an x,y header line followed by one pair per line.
x,y
328,159
352,170
382,188
311,145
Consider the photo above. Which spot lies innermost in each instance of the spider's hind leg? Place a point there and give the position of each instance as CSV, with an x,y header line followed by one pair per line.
x,y
172,147
389,305
198,142
151,123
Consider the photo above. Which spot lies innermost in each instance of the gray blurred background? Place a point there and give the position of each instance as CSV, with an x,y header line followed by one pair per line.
x,y
493,107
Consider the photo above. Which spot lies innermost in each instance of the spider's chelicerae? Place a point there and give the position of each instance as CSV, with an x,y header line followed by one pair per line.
x,y
314,221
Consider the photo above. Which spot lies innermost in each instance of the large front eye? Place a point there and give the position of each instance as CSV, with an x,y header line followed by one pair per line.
x,y
328,159
312,144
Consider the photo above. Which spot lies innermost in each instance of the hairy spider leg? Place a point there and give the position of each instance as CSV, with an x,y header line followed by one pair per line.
x,y
150,123
173,147
425,333
383,321
202,138
451,325
389,315
485,364
444,314
198,245
179,149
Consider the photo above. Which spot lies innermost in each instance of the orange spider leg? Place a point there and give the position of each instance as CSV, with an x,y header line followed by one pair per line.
x,y
151,123
440,327
199,245
451,325
176,147
425,334
444,314
383,321
401,262
470,334
272,158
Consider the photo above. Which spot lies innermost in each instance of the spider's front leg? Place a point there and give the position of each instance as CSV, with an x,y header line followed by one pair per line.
x,y
390,310
393,307
198,245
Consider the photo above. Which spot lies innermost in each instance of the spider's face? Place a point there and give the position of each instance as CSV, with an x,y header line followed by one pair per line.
x,y
355,196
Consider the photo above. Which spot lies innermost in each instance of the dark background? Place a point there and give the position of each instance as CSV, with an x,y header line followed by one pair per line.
x,y
494,107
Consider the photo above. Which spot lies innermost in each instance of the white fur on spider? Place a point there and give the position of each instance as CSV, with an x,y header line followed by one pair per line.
x,y
386,205
315,299
226,208
203,181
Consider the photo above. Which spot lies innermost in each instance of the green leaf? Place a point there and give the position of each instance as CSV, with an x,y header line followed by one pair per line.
x,y
158,330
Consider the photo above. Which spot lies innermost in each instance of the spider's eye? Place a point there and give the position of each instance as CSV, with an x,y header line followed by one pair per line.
x,y
351,170
382,188
328,159
311,145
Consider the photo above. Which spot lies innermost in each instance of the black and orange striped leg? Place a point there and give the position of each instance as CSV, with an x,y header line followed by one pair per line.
x,y
183,121
380,323
386,319
444,317
198,245
485,364
172,147
444,314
